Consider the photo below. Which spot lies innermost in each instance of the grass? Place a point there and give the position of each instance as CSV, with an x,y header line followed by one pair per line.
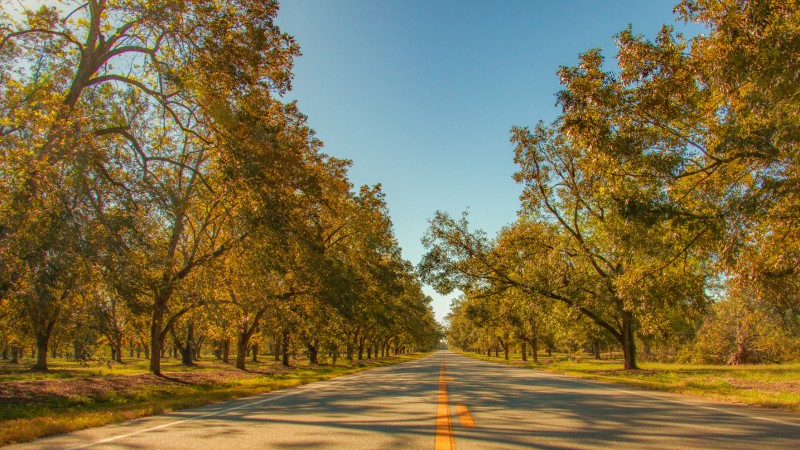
x,y
61,368
66,399
773,386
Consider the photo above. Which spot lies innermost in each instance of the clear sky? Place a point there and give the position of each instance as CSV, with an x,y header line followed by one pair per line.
x,y
422,94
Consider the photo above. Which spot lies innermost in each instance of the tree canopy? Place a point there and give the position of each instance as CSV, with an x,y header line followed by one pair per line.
x,y
665,188
154,184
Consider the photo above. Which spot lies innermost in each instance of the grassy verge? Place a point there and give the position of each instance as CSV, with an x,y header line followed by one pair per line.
x,y
774,386
64,369
73,398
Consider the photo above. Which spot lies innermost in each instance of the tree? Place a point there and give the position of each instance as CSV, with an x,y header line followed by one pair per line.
x,y
252,284
714,118
575,261
145,150
633,265
154,137
740,329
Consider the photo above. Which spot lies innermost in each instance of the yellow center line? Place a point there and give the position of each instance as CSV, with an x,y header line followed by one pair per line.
x,y
465,417
444,432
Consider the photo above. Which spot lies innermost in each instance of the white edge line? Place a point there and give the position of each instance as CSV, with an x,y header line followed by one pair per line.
x,y
202,416
216,413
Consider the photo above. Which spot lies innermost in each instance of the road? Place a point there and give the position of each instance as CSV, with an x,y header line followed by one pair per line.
x,y
446,401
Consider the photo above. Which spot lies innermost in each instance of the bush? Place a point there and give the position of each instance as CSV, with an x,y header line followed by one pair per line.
x,y
740,330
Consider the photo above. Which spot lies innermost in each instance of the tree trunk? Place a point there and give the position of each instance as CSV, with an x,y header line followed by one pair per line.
x,y
277,349
144,347
118,348
197,344
285,348
226,350
187,350
596,349
524,351
742,355
217,350
242,341
312,354
42,339
628,341
534,341
156,344
255,353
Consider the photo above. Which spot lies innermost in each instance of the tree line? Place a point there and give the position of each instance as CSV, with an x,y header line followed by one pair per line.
x,y
157,191
659,210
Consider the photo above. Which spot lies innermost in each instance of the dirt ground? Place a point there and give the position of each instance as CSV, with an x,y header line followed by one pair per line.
x,y
40,391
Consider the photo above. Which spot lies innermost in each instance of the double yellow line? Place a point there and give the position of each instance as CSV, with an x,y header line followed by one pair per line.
x,y
444,430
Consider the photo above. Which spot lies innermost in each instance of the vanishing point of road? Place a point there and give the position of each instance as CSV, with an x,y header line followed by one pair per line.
x,y
447,401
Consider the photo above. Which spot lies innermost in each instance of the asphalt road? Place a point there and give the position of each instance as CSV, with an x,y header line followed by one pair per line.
x,y
467,405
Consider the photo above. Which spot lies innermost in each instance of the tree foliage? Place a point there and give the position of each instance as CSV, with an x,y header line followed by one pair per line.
x,y
152,177
663,180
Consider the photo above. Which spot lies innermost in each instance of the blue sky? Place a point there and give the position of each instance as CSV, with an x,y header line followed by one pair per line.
x,y
421,94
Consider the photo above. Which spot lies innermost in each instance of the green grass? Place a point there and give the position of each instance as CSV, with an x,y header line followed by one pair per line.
x,y
24,420
60,368
774,385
